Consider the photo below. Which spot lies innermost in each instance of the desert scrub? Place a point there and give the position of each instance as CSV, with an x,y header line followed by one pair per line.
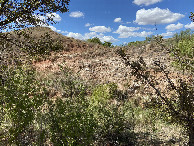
x,y
22,96
112,127
184,53
69,122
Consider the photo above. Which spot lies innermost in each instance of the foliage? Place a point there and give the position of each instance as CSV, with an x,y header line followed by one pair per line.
x,y
42,47
17,14
107,44
183,50
154,39
21,99
183,35
81,119
136,43
179,106
21,46
70,122
95,40
112,128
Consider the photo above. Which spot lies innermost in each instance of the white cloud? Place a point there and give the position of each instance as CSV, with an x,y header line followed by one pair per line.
x,y
125,32
173,27
55,16
190,26
108,39
101,29
156,15
168,34
92,35
123,29
117,20
146,2
75,35
76,14
64,32
87,24
53,28
135,34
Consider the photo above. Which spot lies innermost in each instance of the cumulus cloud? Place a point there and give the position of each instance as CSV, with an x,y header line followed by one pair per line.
x,y
76,14
64,32
55,16
173,27
125,32
135,34
117,20
87,24
75,35
108,39
156,15
92,35
167,34
146,2
101,29
190,26
123,29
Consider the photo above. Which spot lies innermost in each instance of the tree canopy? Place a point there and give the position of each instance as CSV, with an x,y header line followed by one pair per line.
x,y
17,13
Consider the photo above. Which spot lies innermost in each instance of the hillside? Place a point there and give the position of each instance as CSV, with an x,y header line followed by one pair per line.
x,y
97,64
92,62
99,101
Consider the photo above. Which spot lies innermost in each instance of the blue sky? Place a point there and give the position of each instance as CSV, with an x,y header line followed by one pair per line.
x,y
123,21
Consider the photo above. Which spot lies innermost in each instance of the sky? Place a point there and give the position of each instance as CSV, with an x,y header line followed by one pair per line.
x,y
123,21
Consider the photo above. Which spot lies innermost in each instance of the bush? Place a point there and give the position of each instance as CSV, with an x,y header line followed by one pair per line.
x,y
70,122
183,51
112,128
95,40
22,96
107,44
82,119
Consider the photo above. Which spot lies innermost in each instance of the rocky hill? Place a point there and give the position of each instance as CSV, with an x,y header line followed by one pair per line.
x,y
95,63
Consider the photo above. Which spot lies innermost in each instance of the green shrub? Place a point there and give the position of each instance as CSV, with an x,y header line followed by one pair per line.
x,y
107,44
183,51
183,35
136,44
112,127
22,96
84,119
70,122
95,40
